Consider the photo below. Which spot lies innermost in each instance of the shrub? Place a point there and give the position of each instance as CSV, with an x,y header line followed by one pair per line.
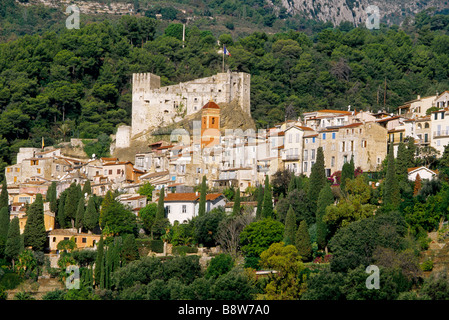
x,y
153,245
183,250
427,265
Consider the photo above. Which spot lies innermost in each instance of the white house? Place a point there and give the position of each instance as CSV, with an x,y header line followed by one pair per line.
x,y
424,173
184,206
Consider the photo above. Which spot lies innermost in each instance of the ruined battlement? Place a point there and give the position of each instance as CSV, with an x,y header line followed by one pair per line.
x,y
154,106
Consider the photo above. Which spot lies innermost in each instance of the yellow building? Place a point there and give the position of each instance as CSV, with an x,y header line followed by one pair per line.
x,y
82,240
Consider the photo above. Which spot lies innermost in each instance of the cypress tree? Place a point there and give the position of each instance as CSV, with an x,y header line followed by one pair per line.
x,y
71,203
302,241
417,186
129,251
411,150
391,194
160,214
402,162
14,243
347,172
107,201
325,199
79,223
290,227
292,184
90,219
99,262
236,208
202,204
4,199
267,207
87,188
317,180
4,227
35,234
259,202
61,212
51,197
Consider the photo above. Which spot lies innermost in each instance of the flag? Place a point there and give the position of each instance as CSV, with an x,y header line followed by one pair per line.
x,y
226,52
43,144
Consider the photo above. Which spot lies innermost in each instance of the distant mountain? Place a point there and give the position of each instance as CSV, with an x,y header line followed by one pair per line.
x,y
337,11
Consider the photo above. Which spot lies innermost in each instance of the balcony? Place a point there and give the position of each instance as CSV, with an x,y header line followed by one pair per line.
x,y
441,133
292,157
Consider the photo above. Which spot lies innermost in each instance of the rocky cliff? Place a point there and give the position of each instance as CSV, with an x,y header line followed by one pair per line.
x,y
355,11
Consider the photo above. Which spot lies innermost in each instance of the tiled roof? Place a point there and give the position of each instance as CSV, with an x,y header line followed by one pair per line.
x,y
211,105
190,196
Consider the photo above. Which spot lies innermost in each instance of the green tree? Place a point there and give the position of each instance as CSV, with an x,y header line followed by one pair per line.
x,y
79,219
160,214
90,219
286,260
14,242
87,188
317,180
4,227
71,203
402,162
259,235
267,206
146,190
391,196
35,234
4,198
290,227
51,196
99,263
236,210
129,250
260,198
302,241
347,172
202,203
325,198
219,265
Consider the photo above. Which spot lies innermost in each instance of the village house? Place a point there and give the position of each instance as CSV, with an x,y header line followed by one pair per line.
x,y
82,240
182,207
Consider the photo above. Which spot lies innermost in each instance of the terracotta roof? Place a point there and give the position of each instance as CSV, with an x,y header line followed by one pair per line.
x,y
415,168
352,125
334,111
117,163
189,196
388,119
211,105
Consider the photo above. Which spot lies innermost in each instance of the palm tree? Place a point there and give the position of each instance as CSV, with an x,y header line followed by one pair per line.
x,y
64,130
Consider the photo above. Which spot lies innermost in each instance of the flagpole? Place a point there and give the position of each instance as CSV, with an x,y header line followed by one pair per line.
x,y
222,68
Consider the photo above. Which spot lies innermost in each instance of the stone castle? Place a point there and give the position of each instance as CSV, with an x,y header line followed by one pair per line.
x,y
154,106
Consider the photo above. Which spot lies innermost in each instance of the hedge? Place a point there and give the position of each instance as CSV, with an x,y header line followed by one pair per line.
x,y
182,250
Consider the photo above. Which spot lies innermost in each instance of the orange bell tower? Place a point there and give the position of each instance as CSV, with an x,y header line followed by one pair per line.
x,y
210,124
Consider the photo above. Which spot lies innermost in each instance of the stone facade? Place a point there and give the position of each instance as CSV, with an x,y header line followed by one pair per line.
x,y
154,106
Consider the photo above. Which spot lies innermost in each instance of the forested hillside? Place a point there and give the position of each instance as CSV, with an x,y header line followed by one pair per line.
x,y
76,83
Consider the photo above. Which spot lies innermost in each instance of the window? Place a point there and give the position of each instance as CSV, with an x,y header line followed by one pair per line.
x,y
305,155
297,137
312,156
435,116
345,159
333,161
442,115
213,120
167,208
118,171
324,136
305,166
313,140
110,171
290,138
333,135
184,208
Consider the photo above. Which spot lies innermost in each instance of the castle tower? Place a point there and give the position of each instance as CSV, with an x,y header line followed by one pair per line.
x,y
210,124
154,106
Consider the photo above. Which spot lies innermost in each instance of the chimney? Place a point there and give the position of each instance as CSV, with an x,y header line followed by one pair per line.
x,y
418,97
